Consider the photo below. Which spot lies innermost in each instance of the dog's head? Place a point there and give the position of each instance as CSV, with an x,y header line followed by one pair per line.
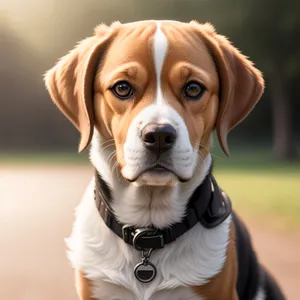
x,y
158,90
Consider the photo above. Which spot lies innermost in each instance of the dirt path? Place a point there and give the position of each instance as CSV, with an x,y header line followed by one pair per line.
x,y
280,253
36,213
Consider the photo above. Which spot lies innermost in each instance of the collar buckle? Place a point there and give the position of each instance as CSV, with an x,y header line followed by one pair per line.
x,y
143,238
148,238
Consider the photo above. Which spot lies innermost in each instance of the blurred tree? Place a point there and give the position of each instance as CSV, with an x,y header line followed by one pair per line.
x,y
275,27
28,120
268,32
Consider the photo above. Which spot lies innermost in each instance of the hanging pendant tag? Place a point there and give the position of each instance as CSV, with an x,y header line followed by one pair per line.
x,y
145,271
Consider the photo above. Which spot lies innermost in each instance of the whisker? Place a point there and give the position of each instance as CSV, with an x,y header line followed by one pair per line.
x,y
199,163
212,154
111,159
111,156
114,168
107,141
107,146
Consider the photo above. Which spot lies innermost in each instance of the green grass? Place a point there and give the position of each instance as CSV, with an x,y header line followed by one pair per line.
x,y
257,186
266,196
267,191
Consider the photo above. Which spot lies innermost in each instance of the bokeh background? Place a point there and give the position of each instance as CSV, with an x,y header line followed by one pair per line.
x,y
42,177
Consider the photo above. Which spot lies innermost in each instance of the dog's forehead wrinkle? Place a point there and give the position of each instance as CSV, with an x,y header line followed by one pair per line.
x,y
181,34
137,32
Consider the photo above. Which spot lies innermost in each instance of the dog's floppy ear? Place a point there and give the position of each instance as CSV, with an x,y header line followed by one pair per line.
x,y
241,84
70,82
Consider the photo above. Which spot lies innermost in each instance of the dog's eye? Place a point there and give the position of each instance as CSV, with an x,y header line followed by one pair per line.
x,y
193,90
122,90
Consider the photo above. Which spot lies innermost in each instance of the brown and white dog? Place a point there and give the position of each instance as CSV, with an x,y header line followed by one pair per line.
x,y
147,96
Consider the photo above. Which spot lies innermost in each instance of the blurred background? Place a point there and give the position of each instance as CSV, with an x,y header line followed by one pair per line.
x,y
42,177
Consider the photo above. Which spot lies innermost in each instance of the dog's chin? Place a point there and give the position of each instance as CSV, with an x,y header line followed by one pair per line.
x,y
155,177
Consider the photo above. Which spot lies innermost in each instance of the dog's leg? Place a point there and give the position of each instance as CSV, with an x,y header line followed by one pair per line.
x,y
272,289
223,285
83,286
235,295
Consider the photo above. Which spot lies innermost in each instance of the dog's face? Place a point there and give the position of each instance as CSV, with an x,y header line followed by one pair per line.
x,y
157,100
158,89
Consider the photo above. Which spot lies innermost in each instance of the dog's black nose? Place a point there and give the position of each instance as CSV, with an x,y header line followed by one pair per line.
x,y
159,137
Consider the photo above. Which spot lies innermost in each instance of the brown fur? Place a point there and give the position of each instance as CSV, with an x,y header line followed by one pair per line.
x,y
83,286
223,286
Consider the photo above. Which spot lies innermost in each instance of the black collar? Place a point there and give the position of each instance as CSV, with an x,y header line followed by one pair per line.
x,y
208,205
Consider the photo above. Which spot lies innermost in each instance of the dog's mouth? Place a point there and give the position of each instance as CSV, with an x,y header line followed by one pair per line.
x,y
158,175
158,168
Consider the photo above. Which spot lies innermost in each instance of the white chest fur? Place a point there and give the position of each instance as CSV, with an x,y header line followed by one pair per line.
x,y
191,260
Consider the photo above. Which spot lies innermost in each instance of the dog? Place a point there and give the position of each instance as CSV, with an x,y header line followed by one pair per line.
x,y
153,222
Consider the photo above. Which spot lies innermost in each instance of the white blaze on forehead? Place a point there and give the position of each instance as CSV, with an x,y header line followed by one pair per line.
x,y
160,51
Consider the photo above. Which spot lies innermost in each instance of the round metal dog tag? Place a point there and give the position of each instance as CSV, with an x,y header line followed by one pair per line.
x,y
145,271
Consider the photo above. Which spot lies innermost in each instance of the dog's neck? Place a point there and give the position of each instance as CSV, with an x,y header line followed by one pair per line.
x,y
143,205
